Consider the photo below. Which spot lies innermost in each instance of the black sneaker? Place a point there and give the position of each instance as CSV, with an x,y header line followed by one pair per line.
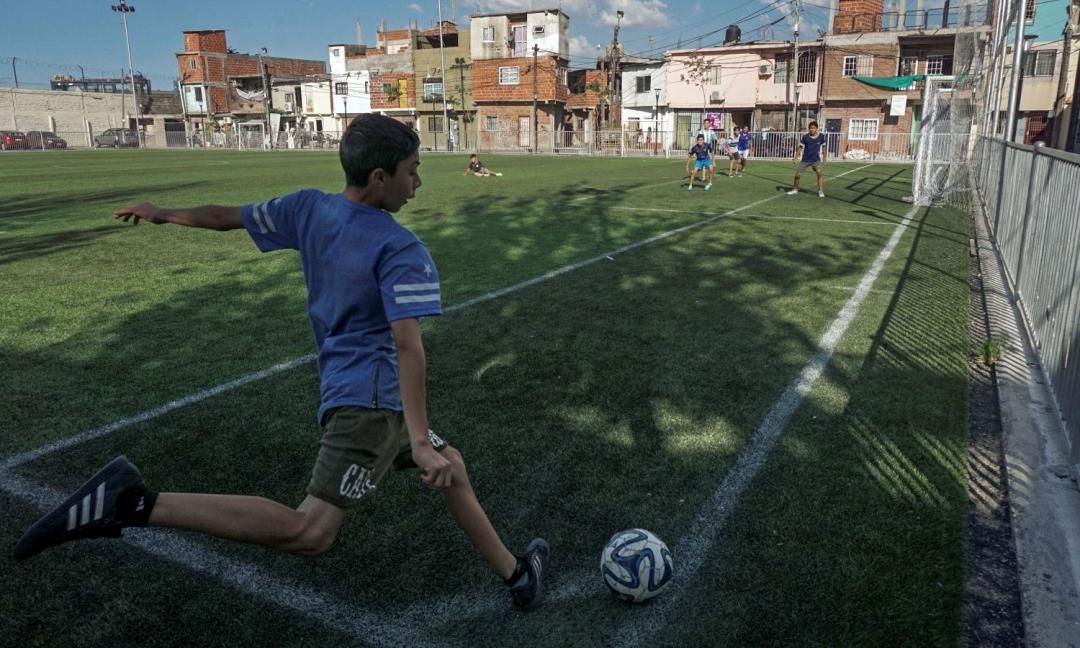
x,y
89,513
535,559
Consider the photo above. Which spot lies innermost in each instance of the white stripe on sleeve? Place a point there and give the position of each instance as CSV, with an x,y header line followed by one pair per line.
x,y
416,286
412,299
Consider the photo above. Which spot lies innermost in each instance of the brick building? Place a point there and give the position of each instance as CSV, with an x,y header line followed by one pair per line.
x,y
436,86
219,86
513,56
866,41
379,79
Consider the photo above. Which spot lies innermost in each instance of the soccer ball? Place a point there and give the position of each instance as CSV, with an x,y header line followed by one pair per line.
x,y
636,565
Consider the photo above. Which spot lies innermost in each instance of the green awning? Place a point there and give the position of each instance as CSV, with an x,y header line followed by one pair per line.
x,y
891,83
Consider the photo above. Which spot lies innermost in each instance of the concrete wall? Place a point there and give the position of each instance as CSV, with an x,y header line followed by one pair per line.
x,y
69,114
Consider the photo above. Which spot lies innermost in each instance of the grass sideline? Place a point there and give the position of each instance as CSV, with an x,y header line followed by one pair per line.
x,y
613,396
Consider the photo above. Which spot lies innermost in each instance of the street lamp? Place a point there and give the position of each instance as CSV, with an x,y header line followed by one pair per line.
x,y
656,121
459,63
266,94
123,8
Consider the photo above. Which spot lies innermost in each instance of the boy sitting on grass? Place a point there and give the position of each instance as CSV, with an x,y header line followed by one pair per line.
x,y
369,282
477,168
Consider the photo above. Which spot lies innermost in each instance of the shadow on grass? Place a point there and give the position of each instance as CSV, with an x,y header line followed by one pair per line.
x,y
616,396
18,206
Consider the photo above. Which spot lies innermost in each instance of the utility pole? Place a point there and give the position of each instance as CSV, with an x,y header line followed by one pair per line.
x,y
1017,71
266,93
536,77
793,69
123,8
14,71
459,63
442,78
613,66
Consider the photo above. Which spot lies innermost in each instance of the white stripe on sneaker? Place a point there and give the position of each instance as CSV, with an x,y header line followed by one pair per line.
x,y
73,516
99,503
85,509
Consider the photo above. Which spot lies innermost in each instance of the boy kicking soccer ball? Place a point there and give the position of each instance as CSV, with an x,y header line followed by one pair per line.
x,y
369,282
813,156
701,157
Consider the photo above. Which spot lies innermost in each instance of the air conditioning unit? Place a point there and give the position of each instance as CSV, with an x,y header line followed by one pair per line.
x,y
765,70
716,96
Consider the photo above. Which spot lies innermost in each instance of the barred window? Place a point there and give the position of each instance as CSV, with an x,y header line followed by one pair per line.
x,y
861,65
863,129
433,89
939,64
714,75
807,67
510,75
909,66
435,124
1039,64
489,34
491,123
782,64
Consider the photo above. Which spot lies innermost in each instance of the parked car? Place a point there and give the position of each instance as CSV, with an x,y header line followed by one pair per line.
x,y
117,138
12,140
45,140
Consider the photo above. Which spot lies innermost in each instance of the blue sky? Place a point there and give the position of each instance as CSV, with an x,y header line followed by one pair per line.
x,y
53,37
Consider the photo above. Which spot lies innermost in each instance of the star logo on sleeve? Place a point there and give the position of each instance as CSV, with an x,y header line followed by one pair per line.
x,y
427,269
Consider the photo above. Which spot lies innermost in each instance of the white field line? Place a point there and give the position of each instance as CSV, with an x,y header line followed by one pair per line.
x,y
398,629
713,516
385,629
142,417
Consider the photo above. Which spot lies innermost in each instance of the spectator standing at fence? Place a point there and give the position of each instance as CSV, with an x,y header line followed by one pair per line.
x,y
812,145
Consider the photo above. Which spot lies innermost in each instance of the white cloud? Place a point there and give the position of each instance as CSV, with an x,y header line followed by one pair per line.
x,y
417,8
581,48
573,8
647,13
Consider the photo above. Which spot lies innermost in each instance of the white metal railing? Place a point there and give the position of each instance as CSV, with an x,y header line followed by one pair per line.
x,y
1032,199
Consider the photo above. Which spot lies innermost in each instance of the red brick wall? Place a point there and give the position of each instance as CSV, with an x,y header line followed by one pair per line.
x,y
245,65
589,99
486,86
215,68
853,16
382,101
205,41
834,85
893,132
220,99
187,75
510,115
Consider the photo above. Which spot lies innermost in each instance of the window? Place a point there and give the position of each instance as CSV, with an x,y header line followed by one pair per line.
x,y
713,78
862,129
807,67
644,83
433,89
1029,12
366,87
782,64
341,88
491,123
434,124
909,65
564,75
1039,64
509,75
489,35
387,89
538,30
194,64
858,66
939,64
198,94
335,52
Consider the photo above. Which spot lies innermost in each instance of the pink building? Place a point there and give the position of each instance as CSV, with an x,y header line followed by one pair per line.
x,y
746,84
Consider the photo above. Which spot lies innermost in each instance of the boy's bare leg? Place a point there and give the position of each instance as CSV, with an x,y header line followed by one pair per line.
x,y
820,182
798,177
470,516
310,529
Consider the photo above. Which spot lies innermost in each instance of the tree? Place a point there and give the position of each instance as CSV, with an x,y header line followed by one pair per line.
x,y
697,71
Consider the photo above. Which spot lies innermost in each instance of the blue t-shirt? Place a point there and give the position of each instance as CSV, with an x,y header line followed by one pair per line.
x,y
744,141
701,151
812,147
363,270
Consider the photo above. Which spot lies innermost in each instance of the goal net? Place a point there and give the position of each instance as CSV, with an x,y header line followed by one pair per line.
x,y
951,113
252,135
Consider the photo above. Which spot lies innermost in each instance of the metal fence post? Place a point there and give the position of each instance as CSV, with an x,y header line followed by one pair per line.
x,y
1000,186
1027,216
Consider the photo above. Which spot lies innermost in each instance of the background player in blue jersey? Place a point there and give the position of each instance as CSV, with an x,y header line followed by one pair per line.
x,y
813,155
701,157
369,281
743,146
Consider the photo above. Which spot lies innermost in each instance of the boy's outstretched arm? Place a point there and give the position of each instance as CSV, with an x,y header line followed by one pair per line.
x,y
215,217
412,374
